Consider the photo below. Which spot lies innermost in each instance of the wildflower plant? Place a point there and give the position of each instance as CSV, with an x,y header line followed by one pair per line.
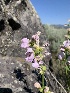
x,y
34,55
64,57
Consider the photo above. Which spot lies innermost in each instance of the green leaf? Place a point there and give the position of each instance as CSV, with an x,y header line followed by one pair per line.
x,y
67,69
37,52
41,89
41,72
44,68
33,41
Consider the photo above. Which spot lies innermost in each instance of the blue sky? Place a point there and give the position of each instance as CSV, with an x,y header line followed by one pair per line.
x,y
52,11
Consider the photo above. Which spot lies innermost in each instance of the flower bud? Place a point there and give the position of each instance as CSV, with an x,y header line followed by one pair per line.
x,y
37,85
68,48
46,89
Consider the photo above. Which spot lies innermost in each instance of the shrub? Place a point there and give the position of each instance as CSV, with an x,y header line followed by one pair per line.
x,y
55,36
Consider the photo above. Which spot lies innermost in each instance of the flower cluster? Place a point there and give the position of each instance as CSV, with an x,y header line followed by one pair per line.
x,y
65,51
33,54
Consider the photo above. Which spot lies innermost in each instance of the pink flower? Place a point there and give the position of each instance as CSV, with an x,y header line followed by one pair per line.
x,y
25,43
46,89
35,64
41,62
30,57
62,49
60,57
25,40
66,43
29,50
37,85
36,37
38,33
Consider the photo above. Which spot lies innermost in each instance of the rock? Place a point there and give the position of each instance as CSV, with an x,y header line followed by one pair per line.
x,y
16,78
18,19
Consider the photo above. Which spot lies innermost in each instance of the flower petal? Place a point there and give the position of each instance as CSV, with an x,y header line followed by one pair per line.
x,y
30,58
25,40
35,65
24,45
41,62
29,50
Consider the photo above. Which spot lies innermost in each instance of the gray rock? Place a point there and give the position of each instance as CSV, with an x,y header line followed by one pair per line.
x,y
17,77
18,21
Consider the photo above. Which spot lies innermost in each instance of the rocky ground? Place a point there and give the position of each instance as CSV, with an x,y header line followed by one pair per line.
x,y
17,75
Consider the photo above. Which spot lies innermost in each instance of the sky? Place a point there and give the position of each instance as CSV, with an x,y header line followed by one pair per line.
x,y
52,11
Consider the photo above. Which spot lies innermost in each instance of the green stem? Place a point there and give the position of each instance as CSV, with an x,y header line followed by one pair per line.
x,y
43,82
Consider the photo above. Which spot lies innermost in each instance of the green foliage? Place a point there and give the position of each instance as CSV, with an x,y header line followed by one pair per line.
x,y
42,70
41,89
55,36
63,74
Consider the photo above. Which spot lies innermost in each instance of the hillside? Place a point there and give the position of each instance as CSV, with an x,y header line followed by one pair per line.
x,y
59,26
